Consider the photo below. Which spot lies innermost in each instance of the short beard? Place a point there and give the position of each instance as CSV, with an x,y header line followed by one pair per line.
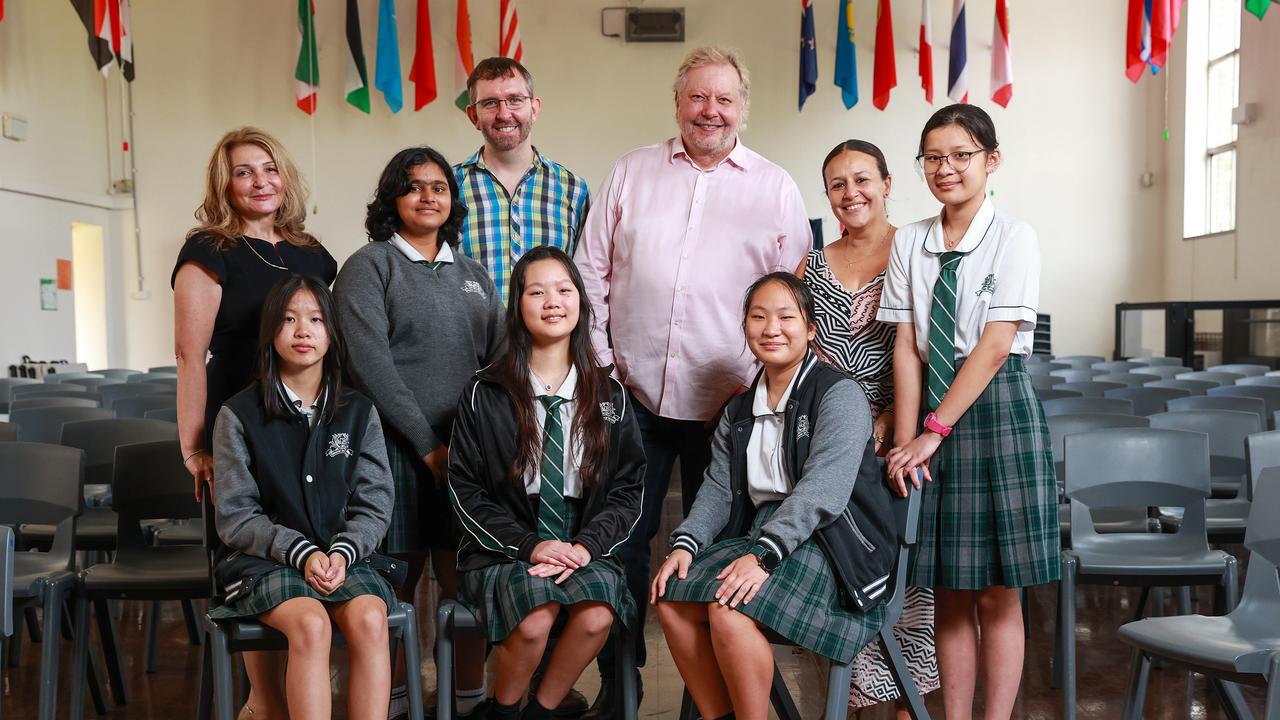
x,y
501,141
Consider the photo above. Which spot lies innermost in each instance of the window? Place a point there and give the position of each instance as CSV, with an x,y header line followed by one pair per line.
x,y
1213,91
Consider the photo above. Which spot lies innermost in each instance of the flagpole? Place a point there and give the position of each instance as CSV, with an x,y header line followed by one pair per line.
x,y
133,190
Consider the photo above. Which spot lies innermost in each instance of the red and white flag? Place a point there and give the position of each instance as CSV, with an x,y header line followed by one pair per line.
x,y
462,62
509,44
423,72
1001,57
885,77
926,51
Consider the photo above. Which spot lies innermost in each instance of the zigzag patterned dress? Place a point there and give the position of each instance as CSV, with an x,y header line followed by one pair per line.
x,y
850,338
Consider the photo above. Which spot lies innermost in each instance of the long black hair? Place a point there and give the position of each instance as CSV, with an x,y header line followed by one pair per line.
x,y
972,118
382,220
268,362
797,288
513,373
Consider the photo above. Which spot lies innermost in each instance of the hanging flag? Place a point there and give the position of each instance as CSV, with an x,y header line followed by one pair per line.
x,y
423,72
846,73
886,69
1137,36
926,51
1257,7
1161,12
1001,57
1,10
808,53
91,14
387,68
357,87
124,53
957,69
307,71
509,45
462,63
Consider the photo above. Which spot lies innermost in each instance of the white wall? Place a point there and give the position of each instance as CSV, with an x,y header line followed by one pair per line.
x,y
1076,138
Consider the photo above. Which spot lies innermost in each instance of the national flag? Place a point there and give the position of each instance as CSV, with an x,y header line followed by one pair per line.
x,y
307,71
1161,31
1257,7
387,69
926,51
886,69
124,52
92,13
357,86
1,10
1137,39
509,45
846,73
1001,57
423,71
808,53
462,62
957,70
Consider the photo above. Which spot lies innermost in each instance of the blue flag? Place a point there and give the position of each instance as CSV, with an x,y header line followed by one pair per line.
x,y
846,73
808,54
387,71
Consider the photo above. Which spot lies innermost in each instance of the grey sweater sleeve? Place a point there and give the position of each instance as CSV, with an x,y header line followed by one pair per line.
x,y
238,514
359,292
711,508
369,504
840,435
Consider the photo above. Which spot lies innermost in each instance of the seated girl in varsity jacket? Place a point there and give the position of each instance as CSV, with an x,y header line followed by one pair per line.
x,y
303,498
545,469
792,530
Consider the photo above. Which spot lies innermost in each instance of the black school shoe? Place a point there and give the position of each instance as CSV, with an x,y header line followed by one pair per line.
x,y
605,706
572,706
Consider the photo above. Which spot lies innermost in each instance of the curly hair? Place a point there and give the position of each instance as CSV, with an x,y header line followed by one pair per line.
x,y
383,219
219,221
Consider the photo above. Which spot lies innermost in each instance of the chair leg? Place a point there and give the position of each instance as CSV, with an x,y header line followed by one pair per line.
x,y
53,598
907,690
444,660
93,672
625,652
1230,586
837,689
107,633
152,625
1141,605
412,663
1232,699
189,614
1067,606
80,661
1136,692
204,691
1184,600
1055,664
1272,711
220,655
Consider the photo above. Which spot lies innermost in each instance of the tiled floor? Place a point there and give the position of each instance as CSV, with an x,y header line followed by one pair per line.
x,y
169,693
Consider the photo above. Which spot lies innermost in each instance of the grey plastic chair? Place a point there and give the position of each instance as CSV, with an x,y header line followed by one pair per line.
x,y
1157,360
1260,381
1221,402
45,424
1077,374
1246,369
19,392
167,369
1195,387
59,378
8,432
149,377
138,405
111,393
1270,396
1135,467
1080,361
1227,518
1163,372
38,401
1123,378
1045,382
167,414
1146,400
1090,405
1117,366
1046,367
1089,389
1242,646
1104,519
6,386
1217,378
1056,394
92,384
118,373
1227,430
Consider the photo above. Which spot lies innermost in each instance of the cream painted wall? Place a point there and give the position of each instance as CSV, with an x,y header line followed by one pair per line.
x,y
1076,139
1240,265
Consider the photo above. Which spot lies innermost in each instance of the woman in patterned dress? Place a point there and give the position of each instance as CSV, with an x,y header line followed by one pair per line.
x,y
846,278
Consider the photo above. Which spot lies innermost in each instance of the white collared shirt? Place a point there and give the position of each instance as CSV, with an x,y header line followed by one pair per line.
x,y
443,254
571,461
766,479
998,279
311,412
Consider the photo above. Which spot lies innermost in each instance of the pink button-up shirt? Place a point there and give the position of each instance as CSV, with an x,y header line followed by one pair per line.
x,y
666,255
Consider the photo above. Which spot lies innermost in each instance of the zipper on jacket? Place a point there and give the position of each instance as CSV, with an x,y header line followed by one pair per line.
x,y
848,517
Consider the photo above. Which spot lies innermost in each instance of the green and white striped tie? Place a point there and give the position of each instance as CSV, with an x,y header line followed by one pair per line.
x,y
431,264
942,330
551,506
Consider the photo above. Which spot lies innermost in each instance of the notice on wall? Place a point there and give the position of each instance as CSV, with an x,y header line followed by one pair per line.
x,y
48,294
64,274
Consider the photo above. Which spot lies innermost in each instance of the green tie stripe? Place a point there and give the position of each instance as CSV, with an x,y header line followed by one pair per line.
x,y
551,505
431,264
942,330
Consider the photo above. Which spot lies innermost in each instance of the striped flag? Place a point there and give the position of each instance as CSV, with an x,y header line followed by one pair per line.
x,y
886,69
957,70
1257,7
307,71
92,14
462,63
509,44
1149,34
846,74
808,53
423,72
357,86
124,48
1001,57
387,65
926,51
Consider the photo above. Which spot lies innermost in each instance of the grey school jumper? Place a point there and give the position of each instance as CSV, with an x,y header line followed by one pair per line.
x,y
416,335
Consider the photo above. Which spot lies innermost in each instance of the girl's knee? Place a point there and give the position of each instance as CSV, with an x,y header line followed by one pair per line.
x,y
593,618
367,620
308,629
536,626
723,617
998,600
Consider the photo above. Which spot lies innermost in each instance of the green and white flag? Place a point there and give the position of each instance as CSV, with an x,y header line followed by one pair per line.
x,y
307,72
357,86
1257,7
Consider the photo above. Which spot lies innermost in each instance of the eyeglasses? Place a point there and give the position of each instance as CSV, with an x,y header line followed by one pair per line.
x,y
490,105
959,161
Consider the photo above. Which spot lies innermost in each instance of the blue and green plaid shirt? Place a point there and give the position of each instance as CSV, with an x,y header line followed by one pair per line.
x,y
549,208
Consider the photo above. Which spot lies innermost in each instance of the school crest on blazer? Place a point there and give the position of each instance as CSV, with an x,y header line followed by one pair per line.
x,y
988,285
471,286
339,444
802,427
609,413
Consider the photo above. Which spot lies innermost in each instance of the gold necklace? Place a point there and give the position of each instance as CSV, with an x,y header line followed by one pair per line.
x,y
264,260
848,241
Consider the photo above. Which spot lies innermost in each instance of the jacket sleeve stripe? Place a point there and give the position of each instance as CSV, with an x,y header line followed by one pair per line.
x,y
300,551
477,531
612,550
685,542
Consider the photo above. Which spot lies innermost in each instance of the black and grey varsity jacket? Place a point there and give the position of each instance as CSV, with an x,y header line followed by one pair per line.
x,y
497,521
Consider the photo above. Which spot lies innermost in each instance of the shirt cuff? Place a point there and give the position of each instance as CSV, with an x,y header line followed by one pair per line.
x,y
1024,316
685,542
299,551
894,315
345,549
771,545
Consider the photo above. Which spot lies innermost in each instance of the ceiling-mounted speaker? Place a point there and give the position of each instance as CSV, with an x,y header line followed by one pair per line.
x,y
641,24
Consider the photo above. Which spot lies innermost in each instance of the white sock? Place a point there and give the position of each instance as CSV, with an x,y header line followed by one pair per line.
x,y
468,700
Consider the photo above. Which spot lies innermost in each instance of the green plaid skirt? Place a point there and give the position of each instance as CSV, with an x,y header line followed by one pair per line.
x,y
287,583
422,517
799,601
990,516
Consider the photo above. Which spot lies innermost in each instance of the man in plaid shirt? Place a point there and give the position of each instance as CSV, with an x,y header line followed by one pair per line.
x,y
516,197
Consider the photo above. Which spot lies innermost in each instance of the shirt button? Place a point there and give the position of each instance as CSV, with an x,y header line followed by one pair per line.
x,y
310,479
673,355
677,323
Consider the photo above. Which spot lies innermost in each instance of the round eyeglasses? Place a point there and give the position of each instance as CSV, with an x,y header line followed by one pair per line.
x,y
490,105
959,161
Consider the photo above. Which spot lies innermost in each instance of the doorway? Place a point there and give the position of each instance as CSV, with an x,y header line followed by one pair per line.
x,y
89,294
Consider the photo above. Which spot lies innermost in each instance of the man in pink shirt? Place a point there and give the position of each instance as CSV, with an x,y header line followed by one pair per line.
x,y
678,232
